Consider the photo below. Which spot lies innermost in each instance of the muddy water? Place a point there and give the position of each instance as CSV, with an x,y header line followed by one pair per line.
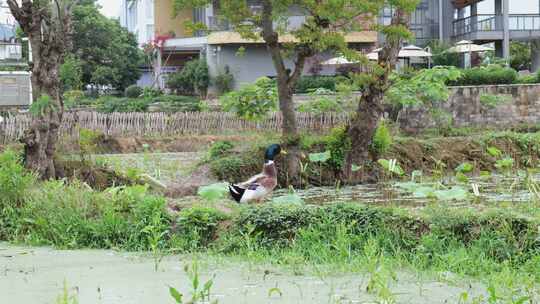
x,y
37,275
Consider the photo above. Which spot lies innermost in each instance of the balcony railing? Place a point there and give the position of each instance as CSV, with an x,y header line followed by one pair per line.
x,y
529,22
477,23
486,23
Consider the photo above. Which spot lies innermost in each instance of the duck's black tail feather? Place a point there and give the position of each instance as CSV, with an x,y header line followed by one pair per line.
x,y
236,192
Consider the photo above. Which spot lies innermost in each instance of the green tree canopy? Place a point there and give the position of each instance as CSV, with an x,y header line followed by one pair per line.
x,y
107,52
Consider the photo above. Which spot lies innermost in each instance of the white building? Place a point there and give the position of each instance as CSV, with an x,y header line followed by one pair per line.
x,y
138,17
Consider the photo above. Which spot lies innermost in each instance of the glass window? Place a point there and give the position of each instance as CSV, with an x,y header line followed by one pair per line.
x,y
149,32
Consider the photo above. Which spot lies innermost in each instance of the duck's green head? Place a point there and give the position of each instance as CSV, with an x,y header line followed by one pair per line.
x,y
271,152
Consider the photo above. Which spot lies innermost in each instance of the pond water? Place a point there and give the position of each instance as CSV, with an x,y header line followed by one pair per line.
x,y
492,190
37,275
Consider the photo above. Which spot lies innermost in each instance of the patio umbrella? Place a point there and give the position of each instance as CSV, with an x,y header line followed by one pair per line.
x,y
408,51
341,60
466,46
405,52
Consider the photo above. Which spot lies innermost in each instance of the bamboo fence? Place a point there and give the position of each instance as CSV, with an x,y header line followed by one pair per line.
x,y
167,124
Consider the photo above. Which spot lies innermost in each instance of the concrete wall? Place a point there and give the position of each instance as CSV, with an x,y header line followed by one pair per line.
x,y
255,62
466,109
166,23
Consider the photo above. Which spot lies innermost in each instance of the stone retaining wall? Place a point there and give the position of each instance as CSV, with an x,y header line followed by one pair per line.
x,y
521,106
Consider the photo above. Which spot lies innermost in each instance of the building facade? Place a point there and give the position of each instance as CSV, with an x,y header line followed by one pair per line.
x,y
481,21
138,17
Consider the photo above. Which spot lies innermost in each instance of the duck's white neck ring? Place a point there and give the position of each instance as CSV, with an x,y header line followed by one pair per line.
x,y
269,162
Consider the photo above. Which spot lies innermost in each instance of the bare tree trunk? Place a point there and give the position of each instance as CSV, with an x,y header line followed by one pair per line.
x,y
48,26
362,127
286,83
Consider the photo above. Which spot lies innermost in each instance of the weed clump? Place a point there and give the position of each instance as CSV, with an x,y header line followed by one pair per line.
x,y
197,227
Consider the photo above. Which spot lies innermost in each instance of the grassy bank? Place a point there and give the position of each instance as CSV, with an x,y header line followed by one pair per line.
x,y
428,154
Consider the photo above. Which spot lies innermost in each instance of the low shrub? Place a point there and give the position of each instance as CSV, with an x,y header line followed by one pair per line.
x,y
109,104
338,143
490,75
274,224
197,227
307,84
174,103
321,105
219,149
224,82
253,101
151,92
133,91
229,168
527,79
193,79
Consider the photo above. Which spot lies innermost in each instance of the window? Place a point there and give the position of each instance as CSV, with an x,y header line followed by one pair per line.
x,y
132,18
149,32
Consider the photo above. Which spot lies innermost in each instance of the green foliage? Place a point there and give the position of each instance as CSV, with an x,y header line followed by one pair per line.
x,y
492,101
197,226
391,166
232,168
253,101
338,143
224,81
65,297
14,180
88,142
505,164
527,79
492,74
308,84
72,216
219,148
320,157
133,91
42,105
382,139
109,104
494,152
440,55
520,55
149,92
321,105
465,168
72,98
173,103
71,73
107,52
213,192
292,198
192,79
427,86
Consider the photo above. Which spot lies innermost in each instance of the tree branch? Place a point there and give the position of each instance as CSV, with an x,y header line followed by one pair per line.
x,y
299,65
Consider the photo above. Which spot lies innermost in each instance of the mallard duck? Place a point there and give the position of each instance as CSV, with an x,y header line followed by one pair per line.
x,y
260,185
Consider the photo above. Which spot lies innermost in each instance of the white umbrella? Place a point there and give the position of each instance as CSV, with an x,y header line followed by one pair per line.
x,y
465,46
408,51
341,60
